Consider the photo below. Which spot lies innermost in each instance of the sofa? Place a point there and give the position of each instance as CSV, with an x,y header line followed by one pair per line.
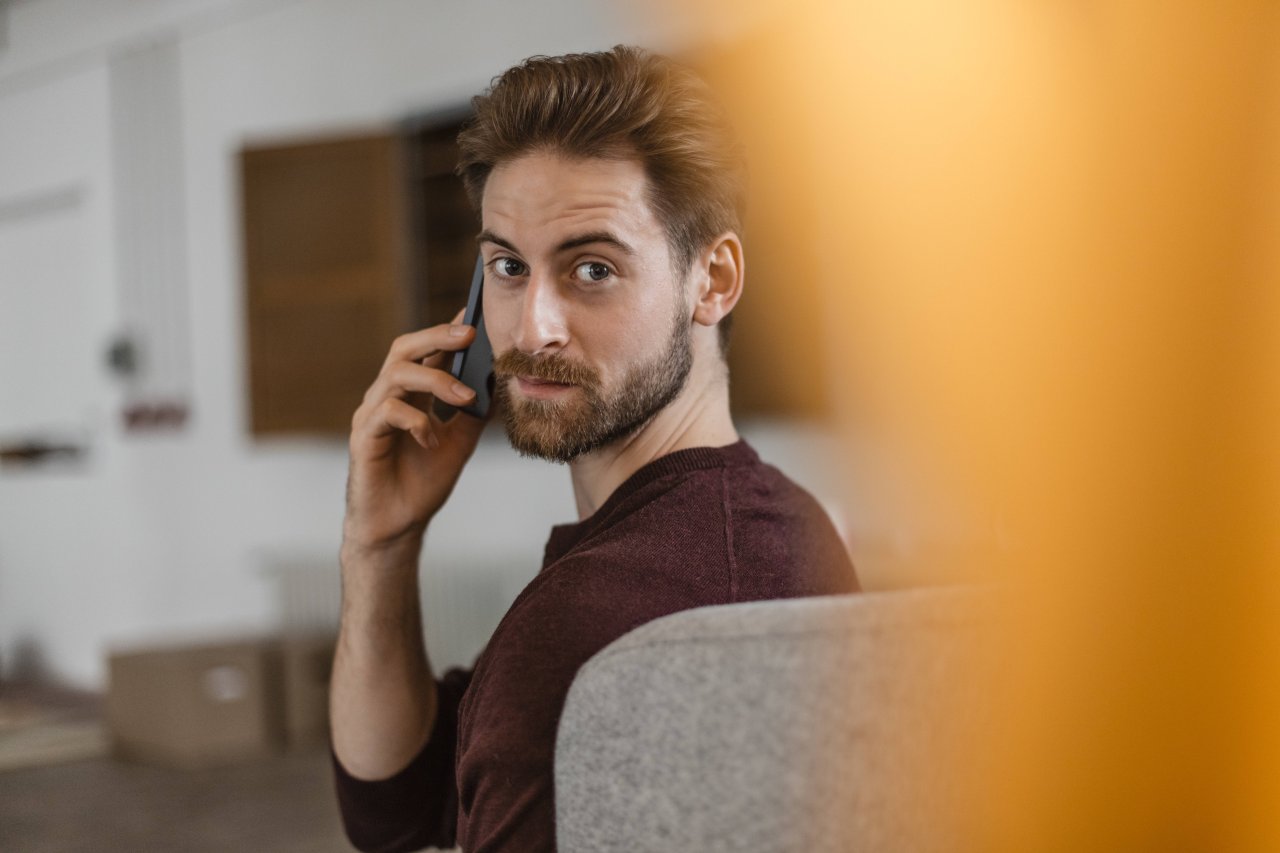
x,y
817,724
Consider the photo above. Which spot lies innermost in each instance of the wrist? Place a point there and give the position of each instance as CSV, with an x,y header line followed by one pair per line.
x,y
383,554
380,589
375,577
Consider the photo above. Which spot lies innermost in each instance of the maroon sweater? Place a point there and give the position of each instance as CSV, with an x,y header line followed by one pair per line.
x,y
697,527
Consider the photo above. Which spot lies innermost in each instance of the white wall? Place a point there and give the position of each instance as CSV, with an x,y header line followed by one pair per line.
x,y
178,534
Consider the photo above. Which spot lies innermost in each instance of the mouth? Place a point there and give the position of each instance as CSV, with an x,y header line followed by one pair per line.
x,y
541,389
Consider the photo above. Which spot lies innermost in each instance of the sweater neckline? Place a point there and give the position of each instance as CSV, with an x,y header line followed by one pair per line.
x,y
565,536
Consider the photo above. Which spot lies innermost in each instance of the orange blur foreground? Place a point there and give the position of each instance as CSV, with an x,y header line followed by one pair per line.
x,y
1047,243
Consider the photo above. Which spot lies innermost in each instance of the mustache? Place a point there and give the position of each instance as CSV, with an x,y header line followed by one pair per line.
x,y
548,368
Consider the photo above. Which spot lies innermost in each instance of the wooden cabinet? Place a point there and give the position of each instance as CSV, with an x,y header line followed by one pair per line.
x,y
347,243
324,247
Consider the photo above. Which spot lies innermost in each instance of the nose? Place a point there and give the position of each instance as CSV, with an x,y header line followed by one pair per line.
x,y
542,326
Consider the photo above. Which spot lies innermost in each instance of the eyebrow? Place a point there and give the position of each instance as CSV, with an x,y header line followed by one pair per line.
x,y
589,238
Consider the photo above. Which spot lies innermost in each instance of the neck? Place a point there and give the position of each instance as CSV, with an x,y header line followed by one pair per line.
x,y
698,417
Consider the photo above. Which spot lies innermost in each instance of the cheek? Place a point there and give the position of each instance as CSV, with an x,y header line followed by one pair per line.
x,y
623,336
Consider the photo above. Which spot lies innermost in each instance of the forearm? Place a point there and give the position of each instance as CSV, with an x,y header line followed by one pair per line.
x,y
382,694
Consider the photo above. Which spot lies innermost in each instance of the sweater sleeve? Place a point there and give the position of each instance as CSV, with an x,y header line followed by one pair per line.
x,y
417,807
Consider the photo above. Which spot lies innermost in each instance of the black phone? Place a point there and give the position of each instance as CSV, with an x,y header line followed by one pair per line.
x,y
473,366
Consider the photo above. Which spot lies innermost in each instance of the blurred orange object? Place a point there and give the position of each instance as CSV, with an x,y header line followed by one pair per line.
x,y
1047,238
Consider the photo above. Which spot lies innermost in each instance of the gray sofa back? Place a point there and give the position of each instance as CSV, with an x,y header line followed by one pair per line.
x,y
802,724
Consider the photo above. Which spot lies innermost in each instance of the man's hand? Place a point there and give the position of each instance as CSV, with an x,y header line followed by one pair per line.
x,y
404,463
404,459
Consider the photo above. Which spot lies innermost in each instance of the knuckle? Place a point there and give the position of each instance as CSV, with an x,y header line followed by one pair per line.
x,y
389,374
387,408
395,373
399,345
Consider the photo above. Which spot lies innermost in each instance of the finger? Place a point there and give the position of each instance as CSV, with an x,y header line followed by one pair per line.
x,y
401,379
437,359
424,343
456,322
394,414
460,430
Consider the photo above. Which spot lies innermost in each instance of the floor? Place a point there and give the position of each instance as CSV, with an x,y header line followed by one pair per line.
x,y
61,791
282,804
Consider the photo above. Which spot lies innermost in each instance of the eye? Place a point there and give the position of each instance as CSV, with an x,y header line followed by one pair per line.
x,y
508,267
592,271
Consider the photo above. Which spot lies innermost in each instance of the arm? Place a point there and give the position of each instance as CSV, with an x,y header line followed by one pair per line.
x,y
383,697
404,464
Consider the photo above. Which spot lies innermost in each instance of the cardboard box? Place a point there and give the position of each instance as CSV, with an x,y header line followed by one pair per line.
x,y
196,706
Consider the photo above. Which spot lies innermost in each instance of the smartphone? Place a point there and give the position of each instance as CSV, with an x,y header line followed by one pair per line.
x,y
473,366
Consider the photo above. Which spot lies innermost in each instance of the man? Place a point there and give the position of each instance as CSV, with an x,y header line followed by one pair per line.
x,y
609,195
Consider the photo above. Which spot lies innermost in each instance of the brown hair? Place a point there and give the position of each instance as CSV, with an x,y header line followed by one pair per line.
x,y
623,103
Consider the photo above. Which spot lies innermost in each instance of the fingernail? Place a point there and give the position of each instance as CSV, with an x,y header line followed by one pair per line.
x,y
458,330
462,390
433,441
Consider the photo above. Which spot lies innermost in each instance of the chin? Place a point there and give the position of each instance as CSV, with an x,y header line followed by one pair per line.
x,y
589,417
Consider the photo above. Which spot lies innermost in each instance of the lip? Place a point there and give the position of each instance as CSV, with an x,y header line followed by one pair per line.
x,y
541,389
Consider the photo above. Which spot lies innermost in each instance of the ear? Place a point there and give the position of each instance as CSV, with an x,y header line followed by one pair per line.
x,y
722,269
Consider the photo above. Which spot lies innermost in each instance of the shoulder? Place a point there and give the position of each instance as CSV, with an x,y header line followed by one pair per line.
x,y
784,542
762,493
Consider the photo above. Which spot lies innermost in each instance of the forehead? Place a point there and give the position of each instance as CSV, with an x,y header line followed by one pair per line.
x,y
548,195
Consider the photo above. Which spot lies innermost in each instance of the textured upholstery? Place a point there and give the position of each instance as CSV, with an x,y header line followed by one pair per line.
x,y
803,724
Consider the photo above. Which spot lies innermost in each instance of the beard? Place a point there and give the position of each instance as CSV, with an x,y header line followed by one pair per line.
x,y
593,417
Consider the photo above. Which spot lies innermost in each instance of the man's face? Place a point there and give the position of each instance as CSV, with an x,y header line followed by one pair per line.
x,y
589,324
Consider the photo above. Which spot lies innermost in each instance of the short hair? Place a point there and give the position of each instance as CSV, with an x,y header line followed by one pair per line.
x,y
623,103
